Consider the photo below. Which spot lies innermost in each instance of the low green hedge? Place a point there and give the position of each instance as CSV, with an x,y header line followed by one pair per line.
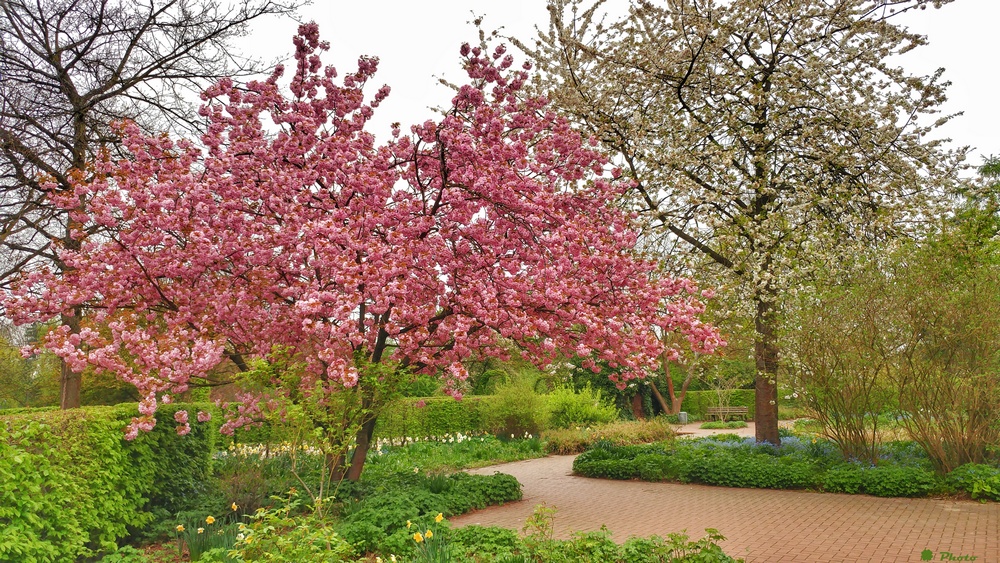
x,y
729,461
71,485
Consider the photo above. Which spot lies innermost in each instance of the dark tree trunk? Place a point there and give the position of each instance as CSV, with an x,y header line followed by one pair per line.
x,y
637,411
766,383
363,443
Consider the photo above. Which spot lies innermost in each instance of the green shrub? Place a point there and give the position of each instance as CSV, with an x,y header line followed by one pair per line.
x,y
71,485
894,481
731,461
373,518
516,410
981,481
290,533
751,470
846,478
487,543
585,407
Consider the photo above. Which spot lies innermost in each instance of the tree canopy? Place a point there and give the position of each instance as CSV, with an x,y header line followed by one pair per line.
x,y
763,136
288,232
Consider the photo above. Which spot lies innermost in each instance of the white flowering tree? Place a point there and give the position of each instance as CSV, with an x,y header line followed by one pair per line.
x,y
763,137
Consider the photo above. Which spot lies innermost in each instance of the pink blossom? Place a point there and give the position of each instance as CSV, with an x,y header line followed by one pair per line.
x,y
495,223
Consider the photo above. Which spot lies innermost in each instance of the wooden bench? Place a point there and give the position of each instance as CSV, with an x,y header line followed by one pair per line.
x,y
723,413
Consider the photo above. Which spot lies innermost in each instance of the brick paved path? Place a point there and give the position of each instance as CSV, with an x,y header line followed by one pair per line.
x,y
761,525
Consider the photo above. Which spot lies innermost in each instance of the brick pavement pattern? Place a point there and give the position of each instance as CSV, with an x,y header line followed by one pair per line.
x,y
760,525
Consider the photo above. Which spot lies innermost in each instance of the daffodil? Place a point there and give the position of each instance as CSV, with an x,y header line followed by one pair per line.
x,y
417,537
180,527
201,530
439,518
408,524
235,507
210,520
429,534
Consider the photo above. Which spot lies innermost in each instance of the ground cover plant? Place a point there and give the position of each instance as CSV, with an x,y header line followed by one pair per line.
x,y
538,544
903,468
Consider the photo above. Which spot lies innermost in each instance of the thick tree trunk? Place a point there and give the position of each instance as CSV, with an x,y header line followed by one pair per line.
x,y
637,407
363,441
69,381
336,464
766,384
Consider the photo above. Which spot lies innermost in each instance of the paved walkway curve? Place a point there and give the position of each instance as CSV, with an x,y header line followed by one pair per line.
x,y
760,525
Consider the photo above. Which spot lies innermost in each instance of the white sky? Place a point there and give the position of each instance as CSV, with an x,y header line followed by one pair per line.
x,y
418,41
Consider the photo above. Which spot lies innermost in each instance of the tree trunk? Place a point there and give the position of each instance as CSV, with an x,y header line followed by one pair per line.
x,y
676,401
637,407
363,441
766,383
336,464
69,381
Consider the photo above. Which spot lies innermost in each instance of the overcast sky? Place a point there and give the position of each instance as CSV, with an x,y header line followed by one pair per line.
x,y
417,41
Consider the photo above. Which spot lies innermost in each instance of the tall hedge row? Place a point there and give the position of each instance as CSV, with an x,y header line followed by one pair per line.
x,y
71,485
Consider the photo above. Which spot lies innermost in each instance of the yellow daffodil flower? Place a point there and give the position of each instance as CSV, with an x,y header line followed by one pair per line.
x,y
180,527
210,520
439,518
417,537
408,524
235,507
201,530
429,534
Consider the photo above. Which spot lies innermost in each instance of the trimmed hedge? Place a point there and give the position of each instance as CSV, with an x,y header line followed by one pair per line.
x,y
697,402
433,416
71,485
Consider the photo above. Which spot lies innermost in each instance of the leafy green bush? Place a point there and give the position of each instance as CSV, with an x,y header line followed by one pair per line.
x,y
488,543
290,533
981,481
71,485
847,478
731,461
374,516
584,407
516,410
894,481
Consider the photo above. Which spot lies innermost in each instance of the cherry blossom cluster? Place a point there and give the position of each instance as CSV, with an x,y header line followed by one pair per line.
x,y
287,227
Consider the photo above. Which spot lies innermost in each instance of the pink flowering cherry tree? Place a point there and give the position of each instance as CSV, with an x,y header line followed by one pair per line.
x,y
287,231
